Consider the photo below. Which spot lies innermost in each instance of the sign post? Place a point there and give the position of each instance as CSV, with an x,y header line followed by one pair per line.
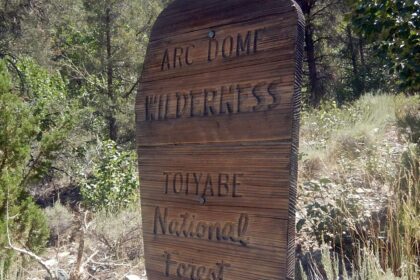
x,y
217,118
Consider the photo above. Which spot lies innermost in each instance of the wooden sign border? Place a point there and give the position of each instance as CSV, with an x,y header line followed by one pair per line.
x,y
290,262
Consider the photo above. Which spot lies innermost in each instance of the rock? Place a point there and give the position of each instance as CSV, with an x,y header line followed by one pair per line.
x,y
62,275
132,277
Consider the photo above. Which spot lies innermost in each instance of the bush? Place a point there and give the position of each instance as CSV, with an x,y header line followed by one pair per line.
x,y
20,128
59,219
112,183
120,233
408,119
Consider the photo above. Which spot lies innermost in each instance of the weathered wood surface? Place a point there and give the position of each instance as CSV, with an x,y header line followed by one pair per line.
x,y
217,134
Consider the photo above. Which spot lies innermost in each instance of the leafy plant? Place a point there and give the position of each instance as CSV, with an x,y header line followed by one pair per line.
x,y
19,127
392,25
112,183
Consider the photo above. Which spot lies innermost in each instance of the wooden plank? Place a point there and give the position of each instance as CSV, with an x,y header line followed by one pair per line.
x,y
222,175
217,115
270,41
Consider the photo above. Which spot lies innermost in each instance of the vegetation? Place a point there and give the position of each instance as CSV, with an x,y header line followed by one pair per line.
x,y
112,184
396,25
360,190
69,70
31,132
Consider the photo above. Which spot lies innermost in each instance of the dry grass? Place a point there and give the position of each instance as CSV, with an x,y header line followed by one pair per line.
x,y
359,189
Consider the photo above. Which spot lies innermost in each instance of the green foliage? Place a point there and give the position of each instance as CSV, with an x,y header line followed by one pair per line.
x,y
357,122
51,118
19,128
112,183
393,26
102,52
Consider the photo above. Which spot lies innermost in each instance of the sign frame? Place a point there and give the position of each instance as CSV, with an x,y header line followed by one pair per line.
x,y
217,122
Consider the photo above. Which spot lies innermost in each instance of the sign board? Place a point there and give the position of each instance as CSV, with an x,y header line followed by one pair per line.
x,y
217,118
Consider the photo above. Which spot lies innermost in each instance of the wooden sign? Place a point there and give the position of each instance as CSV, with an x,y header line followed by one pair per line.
x,y
217,118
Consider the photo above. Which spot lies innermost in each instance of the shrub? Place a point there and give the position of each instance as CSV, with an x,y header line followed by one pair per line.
x,y
112,183
408,119
59,219
120,233
21,129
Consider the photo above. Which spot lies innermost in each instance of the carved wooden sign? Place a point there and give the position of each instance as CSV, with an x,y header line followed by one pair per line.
x,y
217,117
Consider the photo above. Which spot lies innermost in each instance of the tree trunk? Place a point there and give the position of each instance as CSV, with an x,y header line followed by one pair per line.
x,y
316,91
363,62
352,51
357,81
75,275
112,122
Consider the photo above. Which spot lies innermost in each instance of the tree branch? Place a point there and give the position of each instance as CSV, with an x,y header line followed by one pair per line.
x,y
321,38
128,93
145,27
323,9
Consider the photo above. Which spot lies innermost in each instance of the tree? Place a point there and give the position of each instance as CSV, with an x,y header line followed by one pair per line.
x,y
33,125
321,18
24,30
103,54
16,129
392,26
340,63
314,82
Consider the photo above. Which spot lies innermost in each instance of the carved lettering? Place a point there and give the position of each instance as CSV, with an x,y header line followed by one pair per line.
x,y
213,50
166,181
188,59
178,182
210,106
227,99
208,186
202,184
223,186
160,221
189,226
227,47
244,45
178,52
274,92
230,45
166,64
236,184
192,271
258,34
176,58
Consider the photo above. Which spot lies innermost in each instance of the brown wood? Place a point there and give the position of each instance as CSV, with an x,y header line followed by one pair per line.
x,y
217,135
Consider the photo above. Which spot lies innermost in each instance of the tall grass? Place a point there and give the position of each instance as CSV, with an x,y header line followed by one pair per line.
x,y
390,250
370,151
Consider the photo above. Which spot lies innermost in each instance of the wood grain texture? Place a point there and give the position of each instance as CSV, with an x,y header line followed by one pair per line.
x,y
217,115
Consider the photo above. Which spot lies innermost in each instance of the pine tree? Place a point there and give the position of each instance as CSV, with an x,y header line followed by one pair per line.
x,y
33,125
